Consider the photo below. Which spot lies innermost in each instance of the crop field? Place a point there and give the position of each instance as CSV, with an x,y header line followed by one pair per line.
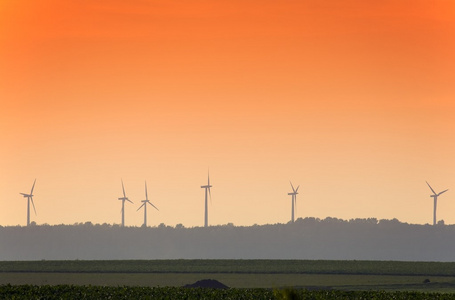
x,y
94,292
253,279
308,281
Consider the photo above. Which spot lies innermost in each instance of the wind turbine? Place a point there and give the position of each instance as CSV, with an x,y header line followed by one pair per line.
x,y
294,199
29,197
435,197
144,204
123,199
207,188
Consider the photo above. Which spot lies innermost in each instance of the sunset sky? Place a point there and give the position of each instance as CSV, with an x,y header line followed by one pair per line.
x,y
352,100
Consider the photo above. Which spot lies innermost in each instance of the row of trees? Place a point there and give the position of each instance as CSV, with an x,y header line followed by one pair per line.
x,y
308,238
309,220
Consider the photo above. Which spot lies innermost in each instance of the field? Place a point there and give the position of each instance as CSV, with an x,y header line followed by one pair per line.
x,y
308,281
260,275
235,266
93,292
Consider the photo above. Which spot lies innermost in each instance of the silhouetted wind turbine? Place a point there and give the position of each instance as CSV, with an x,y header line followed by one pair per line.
x,y
123,199
29,197
435,197
144,204
207,188
294,200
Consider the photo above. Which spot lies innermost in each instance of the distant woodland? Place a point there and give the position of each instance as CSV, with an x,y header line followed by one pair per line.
x,y
309,238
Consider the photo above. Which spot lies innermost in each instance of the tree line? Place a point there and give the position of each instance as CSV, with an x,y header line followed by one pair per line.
x,y
308,238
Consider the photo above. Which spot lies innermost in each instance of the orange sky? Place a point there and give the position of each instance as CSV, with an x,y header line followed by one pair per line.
x,y
352,100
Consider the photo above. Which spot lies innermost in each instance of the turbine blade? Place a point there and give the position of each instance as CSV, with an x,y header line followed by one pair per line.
x,y
152,205
292,186
123,189
31,198
129,200
33,186
141,206
146,196
443,192
208,177
210,196
431,188
297,189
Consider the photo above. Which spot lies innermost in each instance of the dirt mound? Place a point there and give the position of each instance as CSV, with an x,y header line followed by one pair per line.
x,y
207,283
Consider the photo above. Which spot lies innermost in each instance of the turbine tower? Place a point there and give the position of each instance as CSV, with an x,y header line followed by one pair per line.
x,y
294,200
123,199
435,197
207,188
144,204
29,197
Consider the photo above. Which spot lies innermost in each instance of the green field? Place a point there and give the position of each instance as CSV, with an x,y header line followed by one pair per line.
x,y
313,275
96,292
308,281
235,266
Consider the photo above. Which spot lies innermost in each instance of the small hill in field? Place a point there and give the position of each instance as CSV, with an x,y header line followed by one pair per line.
x,y
207,283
